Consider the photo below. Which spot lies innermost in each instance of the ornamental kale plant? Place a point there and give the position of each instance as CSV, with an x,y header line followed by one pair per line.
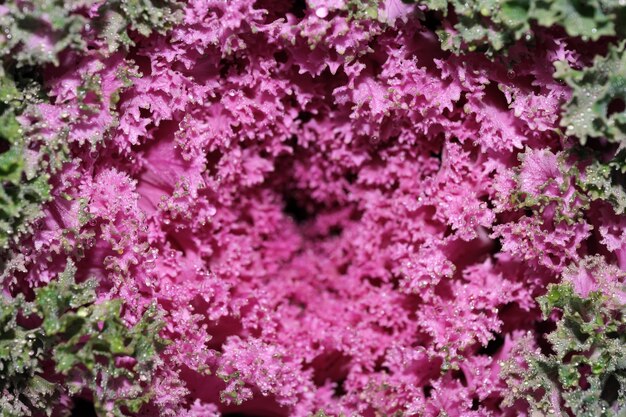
x,y
280,208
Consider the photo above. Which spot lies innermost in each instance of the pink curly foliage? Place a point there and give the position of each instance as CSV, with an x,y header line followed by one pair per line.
x,y
321,206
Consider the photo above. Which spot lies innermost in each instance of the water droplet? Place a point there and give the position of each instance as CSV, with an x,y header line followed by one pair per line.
x,y
321,12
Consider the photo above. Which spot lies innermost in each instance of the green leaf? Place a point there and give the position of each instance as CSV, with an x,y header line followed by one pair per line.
x,y
594,89
587,345
490,26
82,339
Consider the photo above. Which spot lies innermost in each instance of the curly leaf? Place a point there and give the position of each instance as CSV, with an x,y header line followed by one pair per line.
x,y
598,95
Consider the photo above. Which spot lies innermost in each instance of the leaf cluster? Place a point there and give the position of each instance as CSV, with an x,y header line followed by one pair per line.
x,y
490,26
35,34
584,373
65,343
